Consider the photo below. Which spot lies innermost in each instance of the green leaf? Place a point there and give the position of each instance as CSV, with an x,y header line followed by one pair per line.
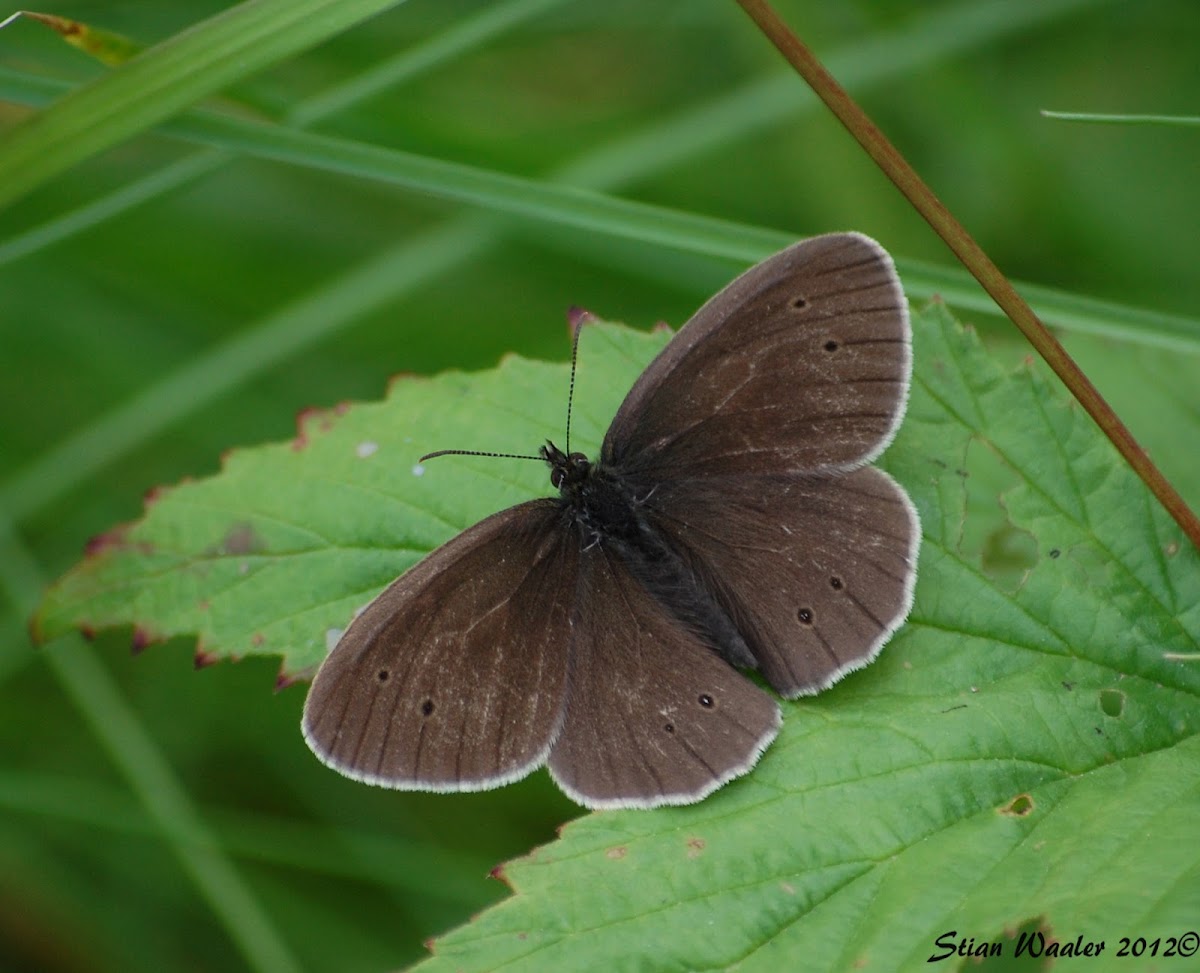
x,y
290,539
1024,752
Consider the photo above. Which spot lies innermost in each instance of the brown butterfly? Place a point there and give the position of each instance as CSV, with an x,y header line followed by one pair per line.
x,y
730,522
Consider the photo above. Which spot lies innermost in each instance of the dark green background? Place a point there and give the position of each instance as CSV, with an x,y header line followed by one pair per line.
x,y
355,878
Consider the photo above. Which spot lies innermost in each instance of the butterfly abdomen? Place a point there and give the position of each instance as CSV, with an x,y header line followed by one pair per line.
x,y
609,516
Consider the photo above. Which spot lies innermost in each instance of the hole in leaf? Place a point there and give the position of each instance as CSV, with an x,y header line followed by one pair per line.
x,y
999,952
1018,807
1007,556
1112,702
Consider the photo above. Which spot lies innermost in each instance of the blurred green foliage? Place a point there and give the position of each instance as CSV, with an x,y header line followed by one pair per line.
x,y
352,878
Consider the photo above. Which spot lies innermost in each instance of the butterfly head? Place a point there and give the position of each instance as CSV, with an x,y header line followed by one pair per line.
x,y
567,470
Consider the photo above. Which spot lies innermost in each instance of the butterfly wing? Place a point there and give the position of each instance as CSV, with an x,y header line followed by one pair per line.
x,y
655,715
455,677
744,444
815,572
799,365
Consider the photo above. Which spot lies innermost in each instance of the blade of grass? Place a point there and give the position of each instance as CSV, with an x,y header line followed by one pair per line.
x,y
387,859
580,208
133,751
1184,121
964,246
105,46
464,35
575,206
165,79
752,107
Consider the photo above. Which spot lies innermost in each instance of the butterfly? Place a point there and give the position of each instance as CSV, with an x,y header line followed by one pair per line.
x,y
731,522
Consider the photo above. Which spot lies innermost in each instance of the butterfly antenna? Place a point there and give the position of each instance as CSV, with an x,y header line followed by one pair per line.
x,y
472,452
571,391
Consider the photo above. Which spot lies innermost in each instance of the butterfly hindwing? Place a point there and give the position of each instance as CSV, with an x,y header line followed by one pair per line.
x,y
655,715
455,677
815,572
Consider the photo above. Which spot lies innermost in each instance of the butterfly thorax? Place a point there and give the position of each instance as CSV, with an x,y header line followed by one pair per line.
x,y
607,511
600,504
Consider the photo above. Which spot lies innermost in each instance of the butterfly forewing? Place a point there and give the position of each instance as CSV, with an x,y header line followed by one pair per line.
x,y
799,365
655,715
816,572
455,677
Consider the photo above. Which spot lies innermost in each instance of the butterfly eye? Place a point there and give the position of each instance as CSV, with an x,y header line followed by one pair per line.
x,y
800,303
669,727
805,615
836,583
706,701
831,345
427,707
382,675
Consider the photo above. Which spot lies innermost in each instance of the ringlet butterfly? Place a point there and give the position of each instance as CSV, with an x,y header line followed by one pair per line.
x,y
731,521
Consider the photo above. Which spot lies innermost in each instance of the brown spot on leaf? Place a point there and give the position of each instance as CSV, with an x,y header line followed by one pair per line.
x,y
68,28
695,846
114,539
617,852
258,640
313,420
242,538
142,638
205,659
300,442
155,494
